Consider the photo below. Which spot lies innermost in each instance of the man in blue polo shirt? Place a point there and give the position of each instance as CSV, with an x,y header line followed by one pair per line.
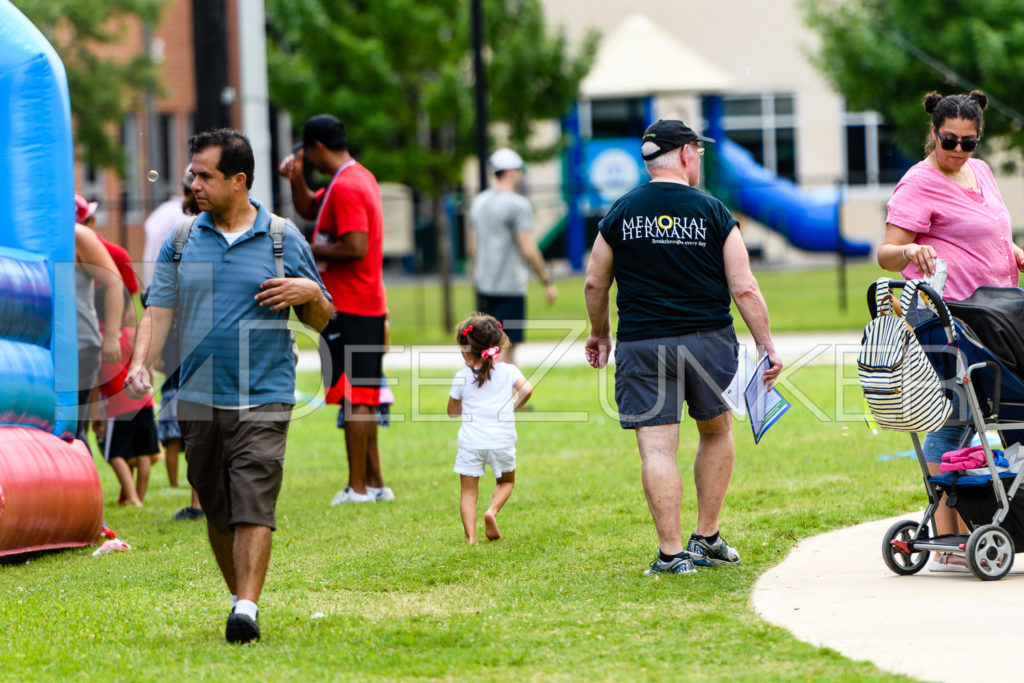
x,y
237,372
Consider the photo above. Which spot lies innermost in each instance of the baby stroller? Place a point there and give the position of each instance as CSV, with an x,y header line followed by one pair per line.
x,y
975,354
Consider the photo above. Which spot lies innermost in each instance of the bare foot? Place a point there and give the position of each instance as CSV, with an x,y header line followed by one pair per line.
x,y
471,540
491,526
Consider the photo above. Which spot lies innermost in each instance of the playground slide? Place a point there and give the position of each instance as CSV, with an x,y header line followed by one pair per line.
x,y
807,221
50,494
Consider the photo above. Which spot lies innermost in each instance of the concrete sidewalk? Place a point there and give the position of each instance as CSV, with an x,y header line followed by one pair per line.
x,y
815,348
835,591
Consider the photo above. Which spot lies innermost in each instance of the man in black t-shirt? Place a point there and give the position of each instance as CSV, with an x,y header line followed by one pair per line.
x,y
677,257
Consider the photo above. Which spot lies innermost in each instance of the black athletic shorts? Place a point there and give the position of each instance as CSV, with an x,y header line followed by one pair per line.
x,y
510,311
131,438
353,365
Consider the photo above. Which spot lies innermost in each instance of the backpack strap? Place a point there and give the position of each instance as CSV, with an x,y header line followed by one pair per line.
x,y
277,230
181,234
884,299
179,239
278,226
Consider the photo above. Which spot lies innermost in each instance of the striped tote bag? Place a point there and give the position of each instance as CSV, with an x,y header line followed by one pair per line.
x,y
901,388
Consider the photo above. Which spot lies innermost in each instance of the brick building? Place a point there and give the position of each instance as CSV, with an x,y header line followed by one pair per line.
x,y
154,136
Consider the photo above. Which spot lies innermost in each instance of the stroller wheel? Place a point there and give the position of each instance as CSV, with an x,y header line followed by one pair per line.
x,y
896,559
989,552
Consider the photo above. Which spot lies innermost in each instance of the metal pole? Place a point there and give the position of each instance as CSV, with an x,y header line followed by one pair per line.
x,y
480,90
842,249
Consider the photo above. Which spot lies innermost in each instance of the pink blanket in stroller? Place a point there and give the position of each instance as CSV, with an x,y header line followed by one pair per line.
x,y
966,459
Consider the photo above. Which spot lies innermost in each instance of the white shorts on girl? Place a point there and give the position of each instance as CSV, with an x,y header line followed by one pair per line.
x,y
471,462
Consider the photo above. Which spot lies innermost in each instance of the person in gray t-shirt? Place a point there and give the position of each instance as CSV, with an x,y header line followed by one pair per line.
x,y
501,244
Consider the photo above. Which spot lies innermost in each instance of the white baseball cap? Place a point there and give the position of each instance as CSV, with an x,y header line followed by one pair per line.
x,y
506,160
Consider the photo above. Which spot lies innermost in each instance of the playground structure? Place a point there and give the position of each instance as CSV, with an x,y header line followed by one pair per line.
x,y
50,495
808,221
596,170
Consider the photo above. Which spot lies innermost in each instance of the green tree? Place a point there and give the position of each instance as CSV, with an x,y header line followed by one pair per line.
x,y
102,88
399,74
884,56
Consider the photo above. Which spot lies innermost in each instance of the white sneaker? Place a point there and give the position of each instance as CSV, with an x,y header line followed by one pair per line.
x,y
383,494
347,495
948,562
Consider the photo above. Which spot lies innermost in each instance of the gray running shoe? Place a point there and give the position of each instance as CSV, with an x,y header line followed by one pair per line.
x,y
708,555
677,565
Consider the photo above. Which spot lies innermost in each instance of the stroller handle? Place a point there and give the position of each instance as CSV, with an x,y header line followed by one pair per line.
x,y
940,305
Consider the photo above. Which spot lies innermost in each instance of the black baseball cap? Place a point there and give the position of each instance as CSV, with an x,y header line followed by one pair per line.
x,y
326,129
669,134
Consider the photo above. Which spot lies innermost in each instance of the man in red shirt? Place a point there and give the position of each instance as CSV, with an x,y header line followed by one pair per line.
x,y
347,243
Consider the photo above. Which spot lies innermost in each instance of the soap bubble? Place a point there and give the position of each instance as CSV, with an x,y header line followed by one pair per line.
x,y
152,176
844,431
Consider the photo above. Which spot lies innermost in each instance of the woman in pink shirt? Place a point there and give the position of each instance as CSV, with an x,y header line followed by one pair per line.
x,y
948,206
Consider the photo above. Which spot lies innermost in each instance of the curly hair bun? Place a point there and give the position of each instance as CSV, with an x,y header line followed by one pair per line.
x,y
931,100
979,97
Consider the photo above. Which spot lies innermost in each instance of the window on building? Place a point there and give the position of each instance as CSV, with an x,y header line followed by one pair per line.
x,y
132,185
765,125
92,189
617,118
164,163
872,157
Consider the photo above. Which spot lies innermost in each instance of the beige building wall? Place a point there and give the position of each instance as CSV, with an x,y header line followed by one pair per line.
x,y
761,43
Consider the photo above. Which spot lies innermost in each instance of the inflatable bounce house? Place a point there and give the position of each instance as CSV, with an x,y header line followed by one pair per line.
x,y
50,494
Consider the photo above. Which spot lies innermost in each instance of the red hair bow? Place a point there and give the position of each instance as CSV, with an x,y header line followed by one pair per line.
x,y
465,332
490,353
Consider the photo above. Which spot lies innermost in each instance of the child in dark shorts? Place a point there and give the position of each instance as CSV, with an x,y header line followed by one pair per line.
x,y
129,431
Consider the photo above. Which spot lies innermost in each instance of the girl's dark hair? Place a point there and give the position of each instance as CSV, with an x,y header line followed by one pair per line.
x,y
476,334
968,107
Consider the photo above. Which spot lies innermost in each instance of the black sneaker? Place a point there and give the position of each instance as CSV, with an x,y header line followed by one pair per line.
x,y
189,514
241,628
677,565
710,555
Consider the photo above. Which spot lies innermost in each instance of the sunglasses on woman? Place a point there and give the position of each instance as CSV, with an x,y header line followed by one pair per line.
x,y
966,144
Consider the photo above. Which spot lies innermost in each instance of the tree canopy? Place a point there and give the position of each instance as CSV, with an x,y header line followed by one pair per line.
x,y
885,56
103,88
399,74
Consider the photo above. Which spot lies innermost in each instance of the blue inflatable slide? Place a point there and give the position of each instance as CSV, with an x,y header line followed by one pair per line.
x,y
50,495
808,221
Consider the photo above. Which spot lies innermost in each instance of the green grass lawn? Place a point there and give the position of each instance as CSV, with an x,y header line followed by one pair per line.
x,y
798,301
390,591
